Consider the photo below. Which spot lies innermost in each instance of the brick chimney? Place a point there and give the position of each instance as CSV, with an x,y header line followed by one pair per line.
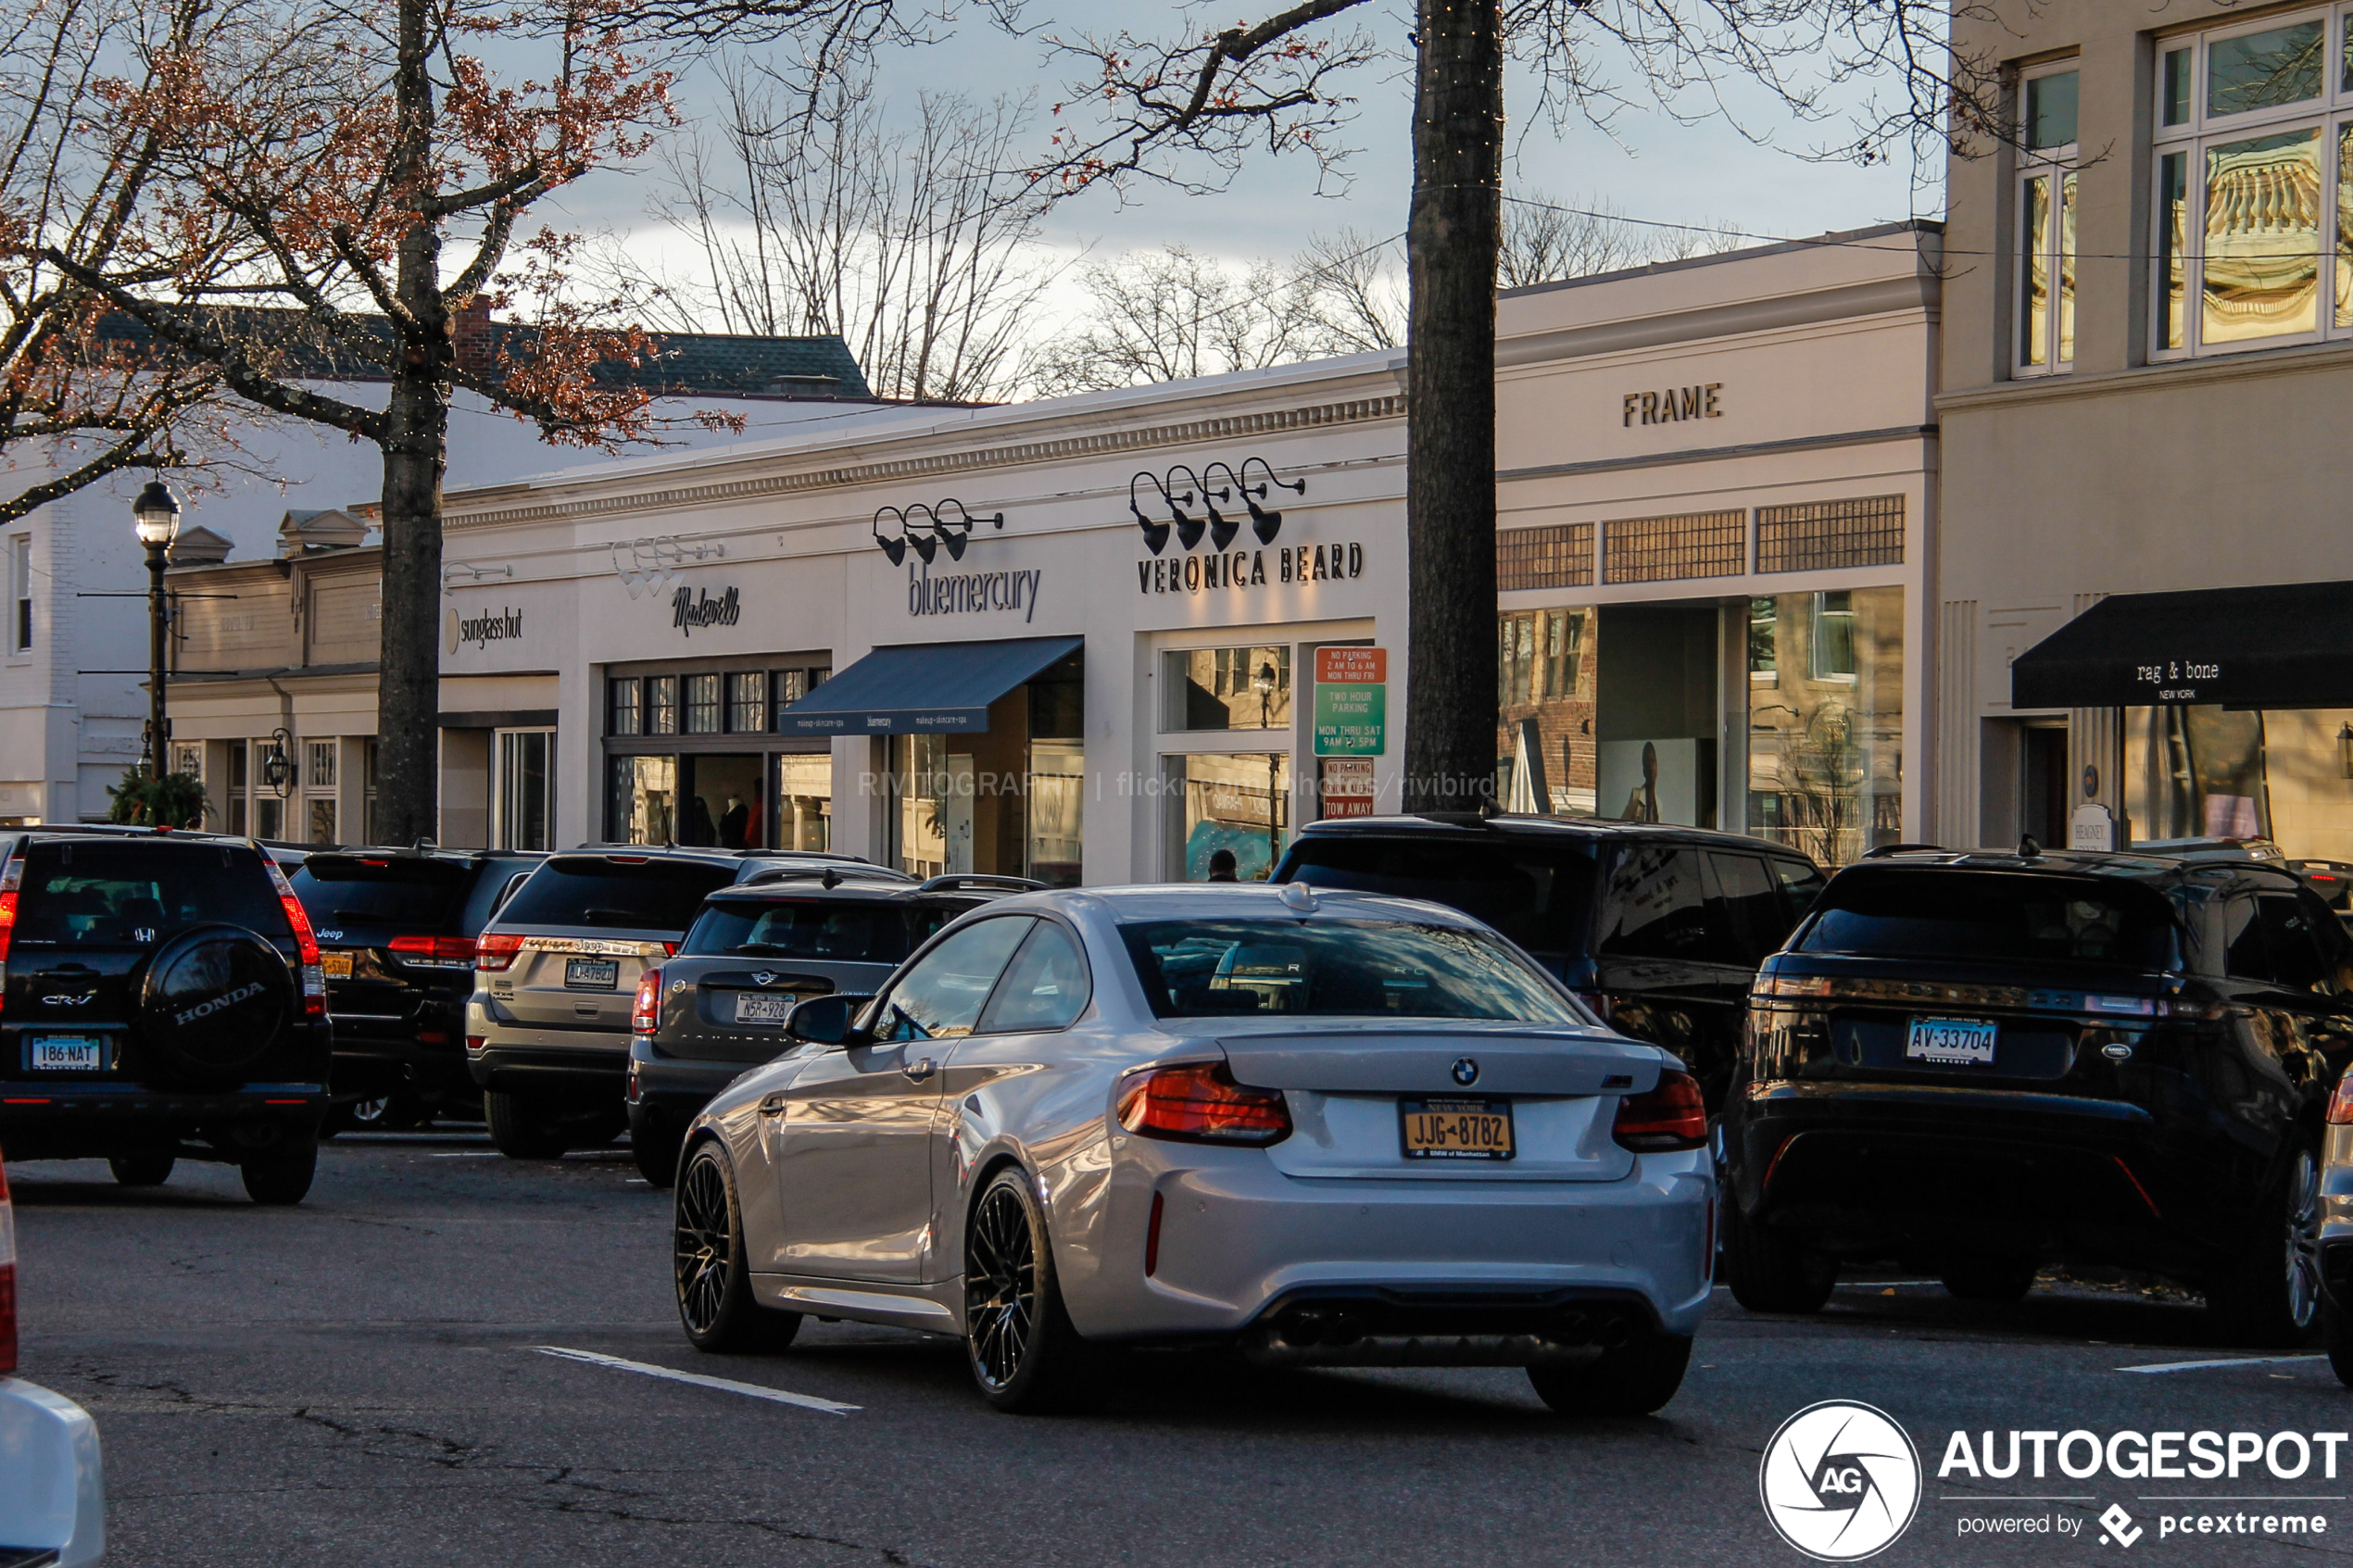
x,y
470,334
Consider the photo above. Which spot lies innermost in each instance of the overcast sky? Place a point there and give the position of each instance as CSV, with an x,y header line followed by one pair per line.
x,y
1653,168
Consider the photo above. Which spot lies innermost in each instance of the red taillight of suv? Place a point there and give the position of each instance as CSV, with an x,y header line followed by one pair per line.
x,y
1200,1103
497,949
645,1013
11,879
314,979
1670,1117
7,1280
440,952
2341,1102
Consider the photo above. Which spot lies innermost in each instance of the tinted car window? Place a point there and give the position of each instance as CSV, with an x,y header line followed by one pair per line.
x,y
490,884
1045,986
1538,894
414,895
651,894
1658,909
942,995
1747,905
836,929
2291,936
1336,968
1802,883
1990,915
100,894
2246,955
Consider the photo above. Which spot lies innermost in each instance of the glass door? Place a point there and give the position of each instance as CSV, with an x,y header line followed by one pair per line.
x,y
524,793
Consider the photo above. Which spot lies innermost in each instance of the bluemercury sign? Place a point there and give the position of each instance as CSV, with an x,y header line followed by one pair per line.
x,y
972,592
1249,569
490,626
687,611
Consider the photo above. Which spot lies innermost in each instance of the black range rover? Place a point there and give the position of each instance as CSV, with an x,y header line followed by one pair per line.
x,y
1658,929
162,1000
1977,1064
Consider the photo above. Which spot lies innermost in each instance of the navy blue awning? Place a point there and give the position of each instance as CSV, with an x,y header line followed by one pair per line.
x,y
931,689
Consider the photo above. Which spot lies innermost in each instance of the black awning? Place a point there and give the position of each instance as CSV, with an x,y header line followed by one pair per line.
x,y
2287,644
929,689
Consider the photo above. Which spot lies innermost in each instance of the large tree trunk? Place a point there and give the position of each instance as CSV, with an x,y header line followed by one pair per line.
x,y
416,452
1452,238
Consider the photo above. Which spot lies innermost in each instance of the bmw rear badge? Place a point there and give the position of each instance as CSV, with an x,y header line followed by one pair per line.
x,y
1465,1070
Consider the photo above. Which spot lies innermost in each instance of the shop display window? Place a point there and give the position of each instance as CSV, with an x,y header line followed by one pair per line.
x,y
643,807
1057,804
1545,678
805,802
1235,802
2205,771
1826,720
1231,688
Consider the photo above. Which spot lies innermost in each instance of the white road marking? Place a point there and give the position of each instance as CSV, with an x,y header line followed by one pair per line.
x,y
469,1154
2224,1360
782,1397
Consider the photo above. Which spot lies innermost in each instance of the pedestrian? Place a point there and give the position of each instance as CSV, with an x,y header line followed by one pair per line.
x,y
1221,866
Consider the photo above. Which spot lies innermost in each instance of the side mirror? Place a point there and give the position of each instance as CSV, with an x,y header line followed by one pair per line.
x,y
825,1020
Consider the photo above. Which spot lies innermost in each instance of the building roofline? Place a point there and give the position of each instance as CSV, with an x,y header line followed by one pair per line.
x,y
1782,247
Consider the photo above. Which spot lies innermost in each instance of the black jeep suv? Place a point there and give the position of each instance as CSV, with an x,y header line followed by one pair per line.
x,y
396,930
1659,929
1977,1064
716,1010
162,999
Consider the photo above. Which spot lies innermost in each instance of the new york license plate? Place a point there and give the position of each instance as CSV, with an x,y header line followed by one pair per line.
x,y
592,974
762,1010
64,1053
338,966
1455,1129
1950,1041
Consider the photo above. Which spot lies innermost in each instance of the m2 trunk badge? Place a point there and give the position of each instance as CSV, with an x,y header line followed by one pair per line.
x,y
1465,1070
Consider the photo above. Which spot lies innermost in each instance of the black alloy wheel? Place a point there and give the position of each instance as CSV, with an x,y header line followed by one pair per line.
x,y
1772,1271
1632,1379
715,1302
1024,1353
148,1169
2275,1297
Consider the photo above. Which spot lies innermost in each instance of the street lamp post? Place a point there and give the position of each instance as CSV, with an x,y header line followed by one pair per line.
x,y
156,516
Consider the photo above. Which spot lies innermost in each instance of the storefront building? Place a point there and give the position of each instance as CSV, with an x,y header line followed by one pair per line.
x,y
2143,567
1073,640
1717,506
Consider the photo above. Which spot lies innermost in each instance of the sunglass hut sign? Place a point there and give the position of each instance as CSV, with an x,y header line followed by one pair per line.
x,y
1193,501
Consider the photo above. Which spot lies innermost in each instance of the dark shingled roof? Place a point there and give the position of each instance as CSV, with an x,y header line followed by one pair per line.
x,y
683,363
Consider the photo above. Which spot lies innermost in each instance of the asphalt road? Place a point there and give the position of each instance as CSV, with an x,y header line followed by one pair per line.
x,y
360,1381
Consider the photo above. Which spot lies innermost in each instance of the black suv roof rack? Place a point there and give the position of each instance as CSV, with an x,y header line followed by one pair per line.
x,y
958,879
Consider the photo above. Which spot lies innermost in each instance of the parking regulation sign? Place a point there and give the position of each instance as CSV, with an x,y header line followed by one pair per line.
x,y
1351,702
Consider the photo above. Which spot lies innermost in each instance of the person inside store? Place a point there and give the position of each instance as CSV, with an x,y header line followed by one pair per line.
x,y
1221,866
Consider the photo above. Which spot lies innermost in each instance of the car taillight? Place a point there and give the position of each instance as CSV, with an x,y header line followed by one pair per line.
x,y
1670,1117
497,949
7,1280
1596,1003
436,952
314,979
645,1013
2341,1102
1200,1103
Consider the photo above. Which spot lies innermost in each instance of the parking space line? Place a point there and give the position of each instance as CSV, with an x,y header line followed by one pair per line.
x,y
782,1397
2223,1361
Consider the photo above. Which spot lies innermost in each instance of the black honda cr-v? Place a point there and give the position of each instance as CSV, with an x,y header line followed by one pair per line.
x,y
1977,1064
396,930
162,1001
1659,929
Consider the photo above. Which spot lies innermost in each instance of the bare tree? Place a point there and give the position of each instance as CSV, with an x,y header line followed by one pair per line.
x,y
1174,315
917,247
348,151
1545,241
77,401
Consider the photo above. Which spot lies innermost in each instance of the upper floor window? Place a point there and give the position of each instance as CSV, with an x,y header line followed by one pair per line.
x,y
2255,122
2046,220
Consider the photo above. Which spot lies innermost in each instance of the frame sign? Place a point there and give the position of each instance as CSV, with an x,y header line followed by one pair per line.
x,y
1351,702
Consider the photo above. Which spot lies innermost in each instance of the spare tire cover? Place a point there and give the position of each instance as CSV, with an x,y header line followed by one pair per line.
x,y
216,997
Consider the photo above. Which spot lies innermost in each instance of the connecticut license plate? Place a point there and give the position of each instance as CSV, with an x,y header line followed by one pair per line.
x,y
337,965
592,974
64,1053
1456,1129
762,1010
1950,1041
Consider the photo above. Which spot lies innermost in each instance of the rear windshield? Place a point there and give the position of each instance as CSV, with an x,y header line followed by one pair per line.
x,y
102,893
1337,969
644,895
838,929
2004,916
352,890
1536,894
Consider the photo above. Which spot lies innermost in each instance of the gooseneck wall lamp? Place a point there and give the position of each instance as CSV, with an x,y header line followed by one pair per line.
x,y
1181,487
926,528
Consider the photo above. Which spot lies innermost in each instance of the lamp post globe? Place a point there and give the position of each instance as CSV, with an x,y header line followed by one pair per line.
x,y
155,517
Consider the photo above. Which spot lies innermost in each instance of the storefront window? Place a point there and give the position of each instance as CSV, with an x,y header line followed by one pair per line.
x,y
1228,688
1237,802
703,705
661,705
748,702
934,817
627,706
805,802
2282,774
644,792
525,790
1057,799
1825,751
1544,731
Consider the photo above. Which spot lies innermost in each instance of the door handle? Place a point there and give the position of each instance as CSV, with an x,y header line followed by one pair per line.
x,y
774,1105
917,1072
